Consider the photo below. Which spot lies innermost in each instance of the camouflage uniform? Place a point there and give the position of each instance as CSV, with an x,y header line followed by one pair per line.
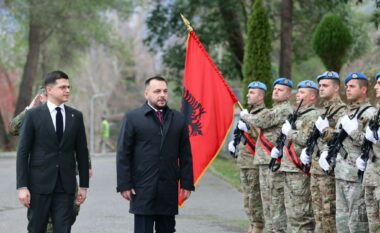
x,y
270,122
323,186
14,129
297,184
15,124
371,183
351,215
249,178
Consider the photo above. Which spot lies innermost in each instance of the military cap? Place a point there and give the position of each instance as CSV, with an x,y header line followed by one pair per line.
x,y
377,76
257,85
283,81
355,75
328,75
308,84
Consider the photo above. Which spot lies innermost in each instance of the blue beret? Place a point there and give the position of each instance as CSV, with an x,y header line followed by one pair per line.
x,y
377,76
328,75
355,75
257,85
283,81
308,84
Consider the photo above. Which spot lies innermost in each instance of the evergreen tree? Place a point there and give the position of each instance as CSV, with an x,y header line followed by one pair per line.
x,y
332,41
257,60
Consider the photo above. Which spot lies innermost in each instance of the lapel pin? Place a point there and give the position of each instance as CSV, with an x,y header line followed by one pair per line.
x,y
72,115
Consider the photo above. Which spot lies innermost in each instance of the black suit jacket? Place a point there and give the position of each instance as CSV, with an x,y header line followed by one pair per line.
x,y
152,158
40,156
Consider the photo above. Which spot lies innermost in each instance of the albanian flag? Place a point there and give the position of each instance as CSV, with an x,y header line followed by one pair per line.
x,y
208,104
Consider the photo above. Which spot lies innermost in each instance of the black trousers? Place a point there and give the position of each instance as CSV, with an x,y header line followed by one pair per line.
x,y
59,205
162,223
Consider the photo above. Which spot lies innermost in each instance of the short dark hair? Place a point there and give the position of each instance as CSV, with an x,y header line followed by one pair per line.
x,y
362,83
52,77
158,78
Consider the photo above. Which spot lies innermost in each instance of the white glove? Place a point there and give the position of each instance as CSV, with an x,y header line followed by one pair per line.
x,y
369,135
243,113
323,162
231,147
275,153
286,127
349,125
322,124
361,164
305,159
242,126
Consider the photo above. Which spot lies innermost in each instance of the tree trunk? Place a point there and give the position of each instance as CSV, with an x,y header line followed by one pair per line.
x,y
234,33
286,39
31,65
4,137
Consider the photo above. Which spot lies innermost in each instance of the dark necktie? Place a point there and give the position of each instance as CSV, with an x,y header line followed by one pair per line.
x,y
59,124
159,116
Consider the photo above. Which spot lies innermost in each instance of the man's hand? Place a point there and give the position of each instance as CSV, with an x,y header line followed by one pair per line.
x,y
286,127
305,158
242,126
369,135
323,161
185,194
275,153
361,164
322,124
128,194
81,197
231,147
243,113
348,124
24,197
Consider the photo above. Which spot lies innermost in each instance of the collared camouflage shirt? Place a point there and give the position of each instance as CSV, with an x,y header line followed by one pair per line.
x,y
346,167
269,121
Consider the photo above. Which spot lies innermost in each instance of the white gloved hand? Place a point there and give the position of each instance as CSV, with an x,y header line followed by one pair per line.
x,y
348,124
286,127
305,159
369,135
323,162
231,147
242,126
361,164
243,113
322,124
275,153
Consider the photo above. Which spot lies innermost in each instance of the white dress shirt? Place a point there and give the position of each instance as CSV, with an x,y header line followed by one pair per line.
x,y
53,113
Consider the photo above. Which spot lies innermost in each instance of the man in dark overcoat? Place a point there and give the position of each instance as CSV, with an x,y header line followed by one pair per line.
x,y
153,154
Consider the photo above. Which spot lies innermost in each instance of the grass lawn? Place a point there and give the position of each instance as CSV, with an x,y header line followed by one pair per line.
x,y
226,169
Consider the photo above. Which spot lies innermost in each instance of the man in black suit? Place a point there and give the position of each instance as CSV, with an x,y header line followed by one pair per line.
x,y
153,154
52,143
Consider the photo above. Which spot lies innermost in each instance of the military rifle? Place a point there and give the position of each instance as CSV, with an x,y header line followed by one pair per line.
x,y
311,141
275,164
335,144
366,148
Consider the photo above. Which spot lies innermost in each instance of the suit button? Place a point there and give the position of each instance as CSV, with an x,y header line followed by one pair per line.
x,y
57,166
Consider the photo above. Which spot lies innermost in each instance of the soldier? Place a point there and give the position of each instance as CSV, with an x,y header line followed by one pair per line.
x,y
249,172
351,215
371,180
323,186
297,184
269,121
15,124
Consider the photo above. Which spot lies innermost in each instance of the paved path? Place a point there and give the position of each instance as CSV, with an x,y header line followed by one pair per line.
x,y
214,207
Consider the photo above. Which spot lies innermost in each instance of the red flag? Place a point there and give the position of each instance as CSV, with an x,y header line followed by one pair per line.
x,y
208,104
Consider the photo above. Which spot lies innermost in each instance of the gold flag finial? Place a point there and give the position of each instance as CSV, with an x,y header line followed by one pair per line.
x,y
187,23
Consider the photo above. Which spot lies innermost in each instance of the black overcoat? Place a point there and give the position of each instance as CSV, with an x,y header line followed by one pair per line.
x,y
152,158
